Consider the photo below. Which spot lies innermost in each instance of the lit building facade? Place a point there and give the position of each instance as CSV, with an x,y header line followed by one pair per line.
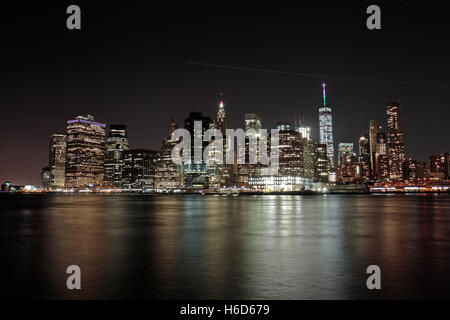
x,y
168,175
309,158
290,153
439,166
221,121
364,171
345,152
413,171
244,171
46,180
381,143
57,160
383,168
396,145
374,129
85,153
303,129
347,164
116,145
252,121
381,150
321,169
198,175
279,183
223,178
326,128
284,126
139,169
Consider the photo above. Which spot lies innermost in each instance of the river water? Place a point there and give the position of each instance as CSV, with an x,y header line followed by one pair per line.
x,y
216,247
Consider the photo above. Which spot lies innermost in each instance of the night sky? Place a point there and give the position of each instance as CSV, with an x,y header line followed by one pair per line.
x,y
128,65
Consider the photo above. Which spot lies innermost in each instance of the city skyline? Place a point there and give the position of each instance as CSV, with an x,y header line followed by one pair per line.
x,y
95,154
380,129
135,73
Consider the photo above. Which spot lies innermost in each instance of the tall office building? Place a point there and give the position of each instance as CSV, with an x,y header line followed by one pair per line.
x,y
284,126
440,166
116,145
364,148
396,145
326,128
345,151
364,158
57,160
381,143
413,170
221,123
224,171
383,168
139,169
290,153
309,158
374,129
46,181
197,174
303,129
347,163
309,148
252,122
321,169
381,151
85,154
168,175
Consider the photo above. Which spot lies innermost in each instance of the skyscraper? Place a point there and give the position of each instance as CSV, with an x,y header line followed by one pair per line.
x,y
85,154
383,168
321,169
290,153
381,143
396,145
309,158
46,181
139,169
57,160
364,158
168,176
224,171
345,151
347,164
284,126
196,173
304,130
252,121
221,117
116,144
440,166
326,128
413,170
381,151
374,129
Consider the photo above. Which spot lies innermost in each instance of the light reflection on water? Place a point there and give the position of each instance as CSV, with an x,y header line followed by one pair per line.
x,y
208,247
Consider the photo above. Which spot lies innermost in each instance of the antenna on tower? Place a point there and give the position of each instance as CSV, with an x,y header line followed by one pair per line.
x,y
324,90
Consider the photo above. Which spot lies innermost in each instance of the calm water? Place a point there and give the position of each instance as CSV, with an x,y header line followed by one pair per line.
x,y
210,247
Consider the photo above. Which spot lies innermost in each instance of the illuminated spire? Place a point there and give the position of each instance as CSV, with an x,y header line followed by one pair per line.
x,y
221,101
221,115
324,94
